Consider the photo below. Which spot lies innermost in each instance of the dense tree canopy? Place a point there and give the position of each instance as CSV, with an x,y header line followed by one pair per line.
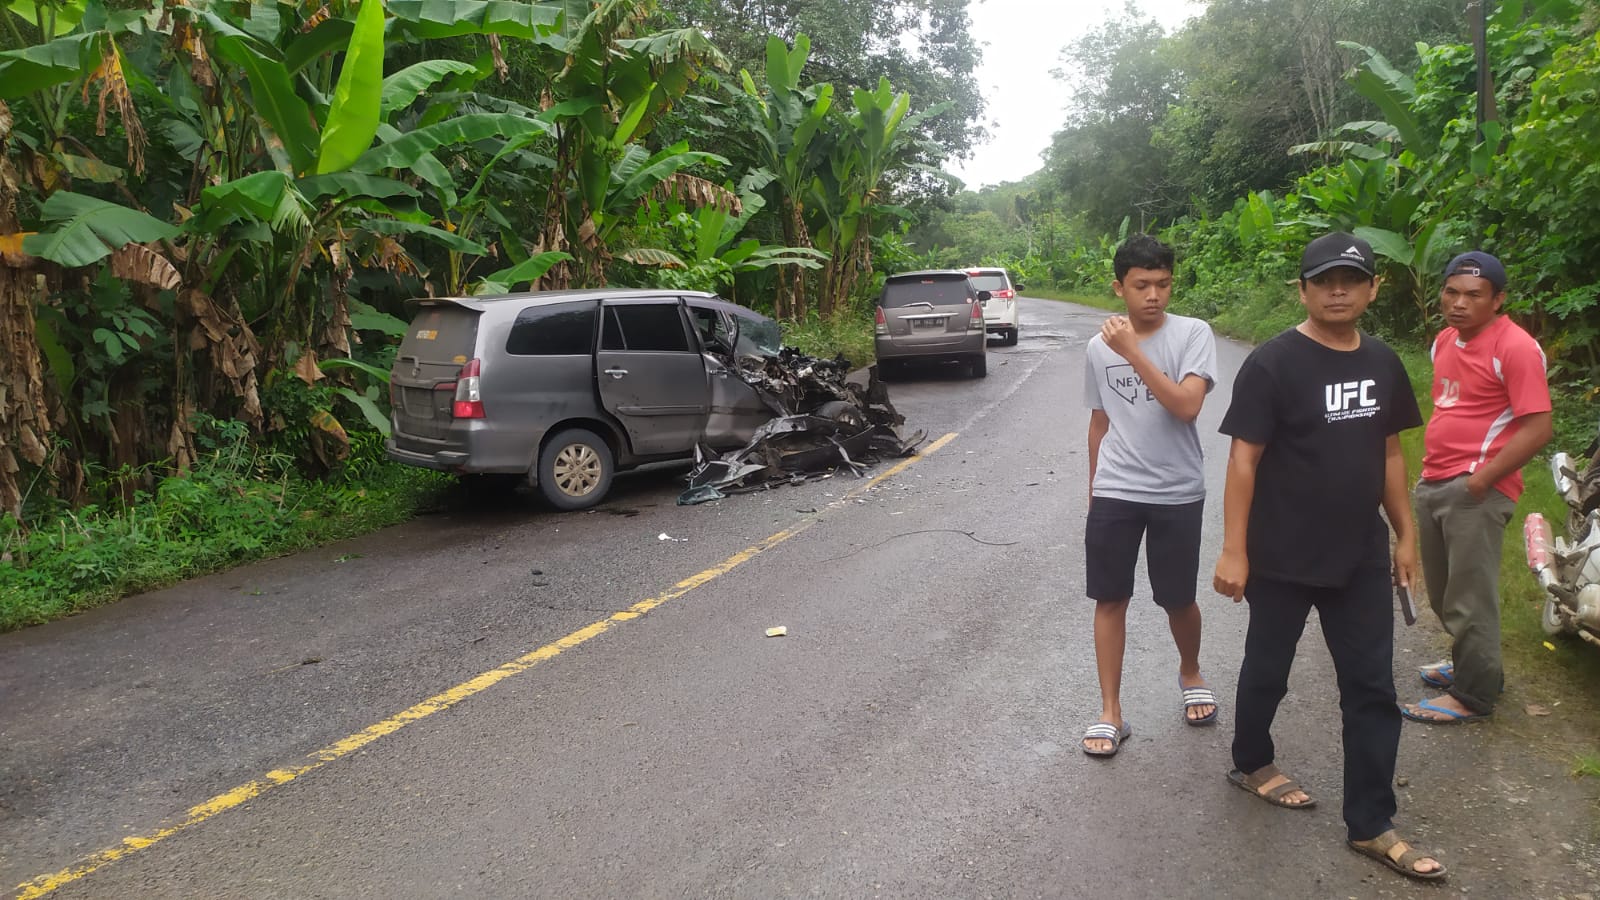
x,y
212,214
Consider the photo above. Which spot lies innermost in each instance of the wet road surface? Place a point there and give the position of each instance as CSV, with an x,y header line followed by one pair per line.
x,y
515,703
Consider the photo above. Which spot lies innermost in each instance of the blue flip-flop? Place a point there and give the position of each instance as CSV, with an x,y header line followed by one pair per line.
x,y
1453,716
1439,675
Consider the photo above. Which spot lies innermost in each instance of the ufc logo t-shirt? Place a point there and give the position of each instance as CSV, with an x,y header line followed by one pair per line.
x,y
1324,417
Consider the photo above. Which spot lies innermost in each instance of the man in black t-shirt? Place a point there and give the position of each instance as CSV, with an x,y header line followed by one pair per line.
x,y
1315,420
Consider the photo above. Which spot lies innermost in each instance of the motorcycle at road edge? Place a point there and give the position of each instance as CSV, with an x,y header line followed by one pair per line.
x,y
1568,567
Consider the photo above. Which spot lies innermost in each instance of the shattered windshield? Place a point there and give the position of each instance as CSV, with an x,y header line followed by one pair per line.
x,y
758,337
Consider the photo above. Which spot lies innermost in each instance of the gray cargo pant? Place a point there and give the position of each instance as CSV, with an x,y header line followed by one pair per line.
x,y
1461,537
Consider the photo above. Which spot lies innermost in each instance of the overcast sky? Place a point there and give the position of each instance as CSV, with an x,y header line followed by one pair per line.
x,y
1023,41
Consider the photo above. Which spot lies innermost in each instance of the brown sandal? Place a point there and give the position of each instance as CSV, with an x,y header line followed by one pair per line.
x,y
1398,855
1261,776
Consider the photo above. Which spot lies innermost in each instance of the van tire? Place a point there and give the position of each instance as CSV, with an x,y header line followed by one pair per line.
x,y
575,469
843,412
1011,338
979,366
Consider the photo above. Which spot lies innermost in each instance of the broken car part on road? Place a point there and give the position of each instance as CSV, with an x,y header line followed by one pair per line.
x,y
825,422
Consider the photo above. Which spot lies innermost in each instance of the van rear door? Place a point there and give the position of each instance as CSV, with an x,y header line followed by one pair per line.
x,y
422,383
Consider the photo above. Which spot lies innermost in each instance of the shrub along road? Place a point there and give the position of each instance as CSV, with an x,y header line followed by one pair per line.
x,y
511,702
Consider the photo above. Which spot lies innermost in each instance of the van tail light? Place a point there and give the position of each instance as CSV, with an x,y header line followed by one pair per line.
x,y
975,321
1005,294
469,398
882,325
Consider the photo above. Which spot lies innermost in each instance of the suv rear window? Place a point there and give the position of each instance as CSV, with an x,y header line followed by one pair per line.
x,y
940,290
559,329
989,282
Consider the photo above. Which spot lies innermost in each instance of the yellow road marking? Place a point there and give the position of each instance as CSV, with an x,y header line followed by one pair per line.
x,y
244,793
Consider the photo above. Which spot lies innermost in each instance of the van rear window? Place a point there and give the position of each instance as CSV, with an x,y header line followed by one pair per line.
x,y
989,282
938,290
557,329
440,333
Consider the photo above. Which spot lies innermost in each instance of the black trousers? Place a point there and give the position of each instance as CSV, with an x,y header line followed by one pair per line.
x,y
1358,625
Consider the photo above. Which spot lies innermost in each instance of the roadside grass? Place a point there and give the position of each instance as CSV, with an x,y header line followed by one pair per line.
x,y
239,503
849,336
1588,766
1106,300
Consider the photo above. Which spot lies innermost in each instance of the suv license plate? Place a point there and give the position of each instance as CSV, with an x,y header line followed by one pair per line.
x,y
928,323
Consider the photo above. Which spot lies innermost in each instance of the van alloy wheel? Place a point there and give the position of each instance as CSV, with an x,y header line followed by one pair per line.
x,y
574,469
578,470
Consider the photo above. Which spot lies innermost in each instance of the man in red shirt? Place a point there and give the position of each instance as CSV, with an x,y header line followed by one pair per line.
x,y
1491,415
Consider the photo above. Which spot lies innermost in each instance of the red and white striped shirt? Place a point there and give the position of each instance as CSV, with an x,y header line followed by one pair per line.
x,y
1480,387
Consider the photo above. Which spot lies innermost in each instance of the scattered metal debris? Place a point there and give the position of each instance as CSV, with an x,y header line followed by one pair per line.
x,y
663,536
823,423
778,631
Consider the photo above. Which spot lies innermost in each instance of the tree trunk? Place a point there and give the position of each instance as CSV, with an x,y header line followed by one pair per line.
x,y
25,401
792,286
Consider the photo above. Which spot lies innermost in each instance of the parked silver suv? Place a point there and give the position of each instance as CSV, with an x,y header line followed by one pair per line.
x,y
563,388
936,315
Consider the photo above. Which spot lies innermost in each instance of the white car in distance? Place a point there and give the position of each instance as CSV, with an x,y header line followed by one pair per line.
x,y
1000,310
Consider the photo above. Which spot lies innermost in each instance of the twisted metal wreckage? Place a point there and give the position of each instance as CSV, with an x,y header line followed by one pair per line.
x,y
823,423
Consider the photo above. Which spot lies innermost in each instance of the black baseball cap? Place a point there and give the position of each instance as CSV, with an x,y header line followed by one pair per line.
x,y
1481,264
1334,250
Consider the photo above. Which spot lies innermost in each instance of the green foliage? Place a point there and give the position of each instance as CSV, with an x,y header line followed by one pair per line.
x,y
87,230
358,99
847,336
238,503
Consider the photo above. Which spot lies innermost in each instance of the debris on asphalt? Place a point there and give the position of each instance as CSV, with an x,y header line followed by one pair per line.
x,y
823,423
663,536
1534,709
778,631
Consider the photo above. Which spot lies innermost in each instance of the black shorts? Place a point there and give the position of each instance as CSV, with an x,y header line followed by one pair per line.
x,y
1172,554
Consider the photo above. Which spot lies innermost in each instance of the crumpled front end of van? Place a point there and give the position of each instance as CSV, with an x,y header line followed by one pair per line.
x,y
825,421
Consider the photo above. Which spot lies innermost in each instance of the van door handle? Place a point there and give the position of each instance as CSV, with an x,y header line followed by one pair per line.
x,y
616,373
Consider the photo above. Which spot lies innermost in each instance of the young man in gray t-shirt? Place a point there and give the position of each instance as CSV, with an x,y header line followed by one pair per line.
x,y
1146,375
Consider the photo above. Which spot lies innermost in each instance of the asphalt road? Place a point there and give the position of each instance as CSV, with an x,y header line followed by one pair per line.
x,y
515,703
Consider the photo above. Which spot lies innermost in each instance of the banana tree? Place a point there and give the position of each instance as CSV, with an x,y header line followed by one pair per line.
x,y
785,120
864,146
715,255
612,84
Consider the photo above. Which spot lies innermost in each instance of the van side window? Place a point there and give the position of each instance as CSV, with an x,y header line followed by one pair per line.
x,y
611,334
561,329
712,326
648,327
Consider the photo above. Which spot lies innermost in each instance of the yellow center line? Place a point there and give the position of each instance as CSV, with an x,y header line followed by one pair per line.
x,y
244,793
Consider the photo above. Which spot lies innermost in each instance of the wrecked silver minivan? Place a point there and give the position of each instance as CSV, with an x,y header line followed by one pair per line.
x,y
564,388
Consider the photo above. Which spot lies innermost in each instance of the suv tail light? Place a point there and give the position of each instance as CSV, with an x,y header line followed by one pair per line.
x,y
469,399
882,325
1005,294
975,321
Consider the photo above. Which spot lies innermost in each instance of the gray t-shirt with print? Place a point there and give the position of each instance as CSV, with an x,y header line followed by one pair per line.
x,y
1149,455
